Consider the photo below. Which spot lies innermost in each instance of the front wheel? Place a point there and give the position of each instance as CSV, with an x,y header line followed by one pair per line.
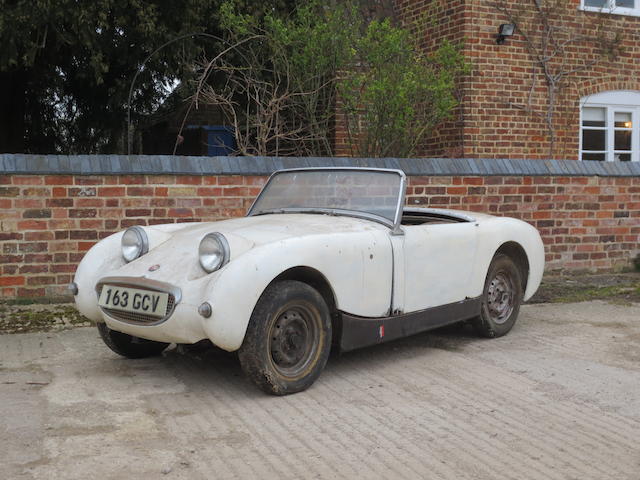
x,y
501,298
129,346
288,338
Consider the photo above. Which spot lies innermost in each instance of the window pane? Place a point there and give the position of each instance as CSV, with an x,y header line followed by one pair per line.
x,y
593,140
593,156
623,120
593,117
622,140
625,3
364,191
596,3
622,157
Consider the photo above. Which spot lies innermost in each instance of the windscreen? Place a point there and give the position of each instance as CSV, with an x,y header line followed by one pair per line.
x,y
364,191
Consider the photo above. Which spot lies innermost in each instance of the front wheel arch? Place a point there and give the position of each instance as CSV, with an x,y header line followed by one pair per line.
x,y
287,342
319,282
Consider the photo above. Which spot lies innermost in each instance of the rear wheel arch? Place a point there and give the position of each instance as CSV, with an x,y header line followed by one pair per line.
x,y
517,253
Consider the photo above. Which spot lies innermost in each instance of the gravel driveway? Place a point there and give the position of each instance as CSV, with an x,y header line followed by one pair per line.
x,y
557,398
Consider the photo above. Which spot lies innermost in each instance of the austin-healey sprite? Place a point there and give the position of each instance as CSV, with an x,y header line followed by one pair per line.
x,y
324,256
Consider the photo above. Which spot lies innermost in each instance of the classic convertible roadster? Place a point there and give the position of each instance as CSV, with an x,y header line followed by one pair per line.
x,y
324,256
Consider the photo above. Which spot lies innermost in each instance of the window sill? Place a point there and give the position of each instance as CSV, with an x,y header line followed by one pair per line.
x,y
615,11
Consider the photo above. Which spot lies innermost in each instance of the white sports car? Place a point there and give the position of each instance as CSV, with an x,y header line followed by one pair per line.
x,y
324,256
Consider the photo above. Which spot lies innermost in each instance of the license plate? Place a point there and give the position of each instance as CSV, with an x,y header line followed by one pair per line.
x,y
134,300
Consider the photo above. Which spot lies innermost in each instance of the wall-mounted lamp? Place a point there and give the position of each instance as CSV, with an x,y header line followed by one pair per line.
x,y
505,30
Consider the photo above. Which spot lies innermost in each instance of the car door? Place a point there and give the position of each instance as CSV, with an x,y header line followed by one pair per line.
x,y
432,265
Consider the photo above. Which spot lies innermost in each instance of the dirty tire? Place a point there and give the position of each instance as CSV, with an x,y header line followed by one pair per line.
x,y
288,338
129,346
501,298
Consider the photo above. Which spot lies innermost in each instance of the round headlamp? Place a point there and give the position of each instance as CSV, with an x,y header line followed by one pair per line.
x,y
213,252
135,243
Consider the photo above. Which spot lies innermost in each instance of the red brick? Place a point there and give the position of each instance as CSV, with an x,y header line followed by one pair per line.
x,y
251,180
457,190
65,268
188,202
37,281
32,225
84,246
132,180
35,192
137,212
89,202
111,191
473,181
88,180
9,191
58,180
140,191
8,281
35,268
28,203
180,212
188,180
82,212
230,180
83,235
59,202
130,222
28,180
91,224
209,191
235,192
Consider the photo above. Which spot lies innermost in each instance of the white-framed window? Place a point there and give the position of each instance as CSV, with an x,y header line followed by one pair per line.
x,y
610,126
620,7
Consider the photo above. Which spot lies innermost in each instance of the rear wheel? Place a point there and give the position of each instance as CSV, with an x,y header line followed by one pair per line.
x,y
129,346
288,338
501,298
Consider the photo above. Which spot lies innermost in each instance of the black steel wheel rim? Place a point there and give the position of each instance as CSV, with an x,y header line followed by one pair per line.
x,y
293,340
501,295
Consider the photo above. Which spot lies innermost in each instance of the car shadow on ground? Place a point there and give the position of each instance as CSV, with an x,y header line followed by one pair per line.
x,y
452,338
209,365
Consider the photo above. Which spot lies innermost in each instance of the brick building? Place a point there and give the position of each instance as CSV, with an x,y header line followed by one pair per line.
x,y
592,52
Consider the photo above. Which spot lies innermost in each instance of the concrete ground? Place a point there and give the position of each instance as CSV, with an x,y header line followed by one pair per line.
x,y
557,398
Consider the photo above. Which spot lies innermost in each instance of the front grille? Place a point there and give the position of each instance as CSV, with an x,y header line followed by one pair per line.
x,y
137,318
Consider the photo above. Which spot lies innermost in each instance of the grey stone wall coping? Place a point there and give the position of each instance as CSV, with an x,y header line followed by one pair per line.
x,y
183,165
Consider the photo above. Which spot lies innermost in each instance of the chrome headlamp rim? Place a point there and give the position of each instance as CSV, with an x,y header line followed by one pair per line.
x,y
142,243
223,245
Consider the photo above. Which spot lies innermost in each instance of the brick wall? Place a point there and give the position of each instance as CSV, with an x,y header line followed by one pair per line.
x,y
586,223
48,221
